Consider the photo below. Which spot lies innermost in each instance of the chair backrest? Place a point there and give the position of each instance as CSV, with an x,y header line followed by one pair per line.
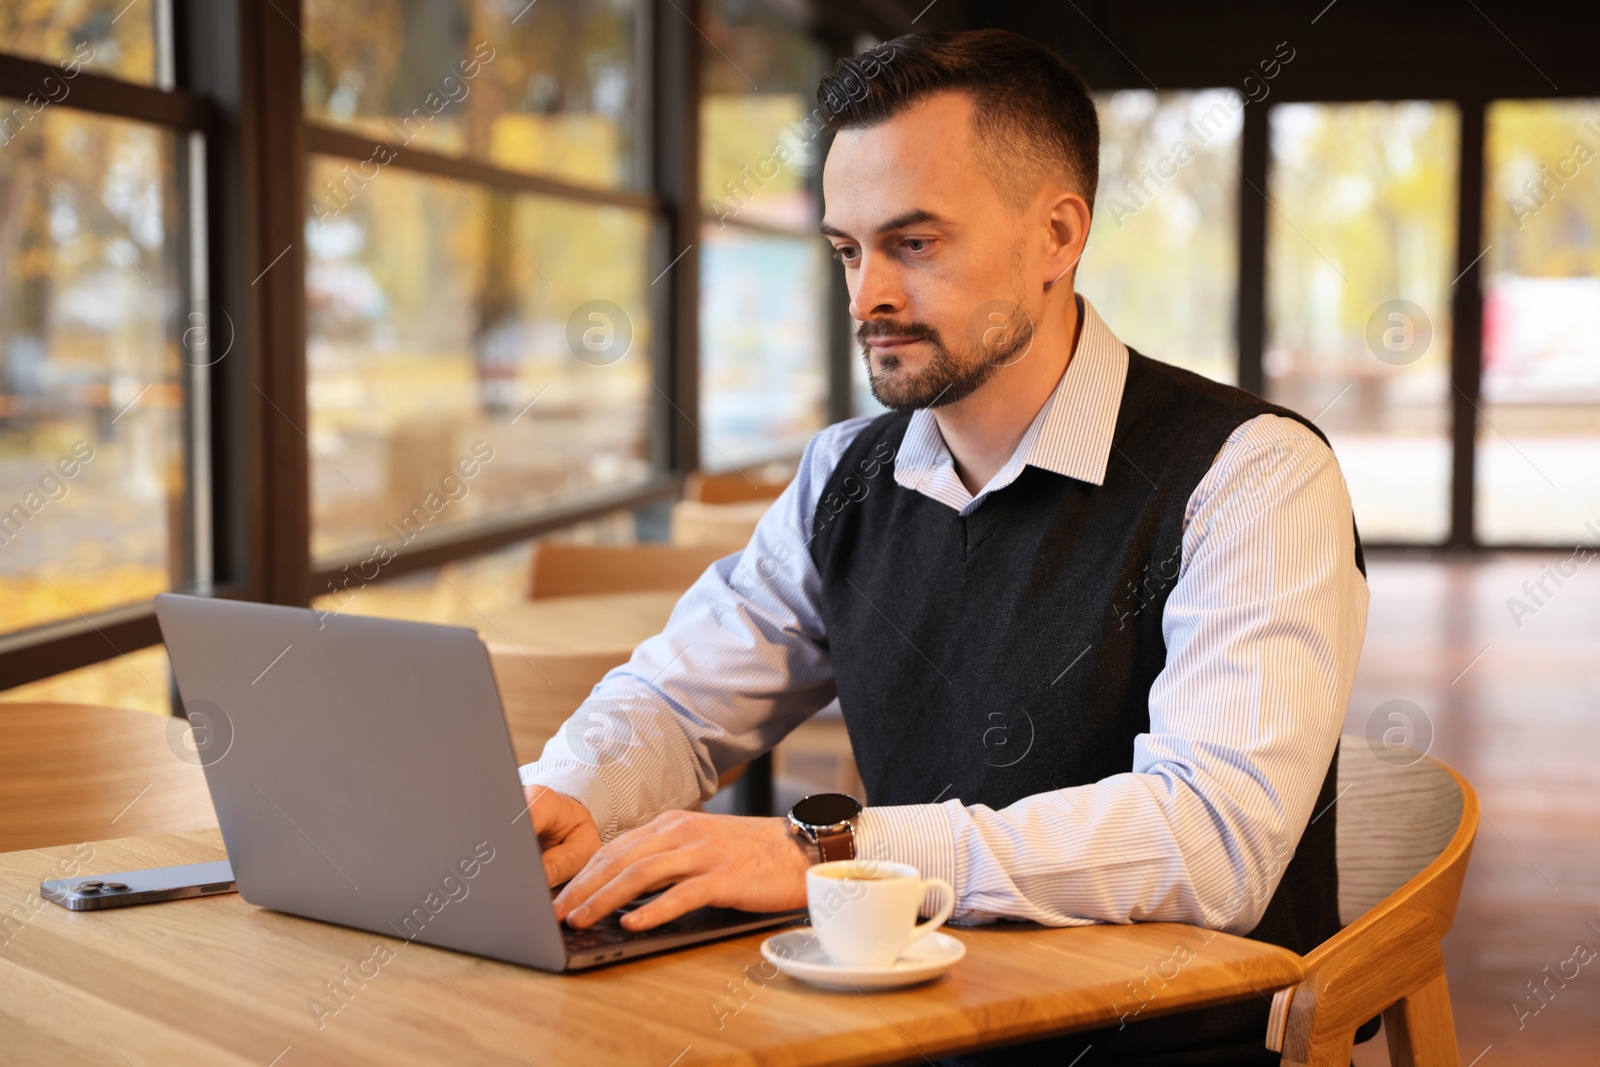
x,y
732,488
540,690
1397,811
728,525
1405,827
76,772
560,569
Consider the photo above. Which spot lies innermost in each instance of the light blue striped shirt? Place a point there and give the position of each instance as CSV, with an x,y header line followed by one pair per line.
x,y
1263,628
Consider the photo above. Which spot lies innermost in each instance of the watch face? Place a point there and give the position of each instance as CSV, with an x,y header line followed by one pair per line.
x,y
826,809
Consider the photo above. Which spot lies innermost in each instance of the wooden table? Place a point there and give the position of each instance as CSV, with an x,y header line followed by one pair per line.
x,y
576,625
219,981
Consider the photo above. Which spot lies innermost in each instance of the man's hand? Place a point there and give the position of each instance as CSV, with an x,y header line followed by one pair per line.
x,y
730,861
567,833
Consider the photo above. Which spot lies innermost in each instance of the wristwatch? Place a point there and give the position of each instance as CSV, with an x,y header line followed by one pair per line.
x,y
829,821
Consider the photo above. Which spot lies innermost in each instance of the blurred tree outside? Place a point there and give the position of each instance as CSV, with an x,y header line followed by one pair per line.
x,y
1539,438
1162,262
91,238
1362,214
439,309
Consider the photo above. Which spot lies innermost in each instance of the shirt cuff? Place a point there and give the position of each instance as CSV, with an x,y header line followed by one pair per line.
x,y
917,834
581,784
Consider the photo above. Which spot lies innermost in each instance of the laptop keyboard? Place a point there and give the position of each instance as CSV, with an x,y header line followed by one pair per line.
x,y
609,931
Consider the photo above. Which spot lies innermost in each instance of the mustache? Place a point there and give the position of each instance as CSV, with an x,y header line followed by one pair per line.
x,y
867,331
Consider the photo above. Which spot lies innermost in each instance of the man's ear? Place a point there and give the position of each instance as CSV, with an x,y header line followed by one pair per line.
x,y
1068,233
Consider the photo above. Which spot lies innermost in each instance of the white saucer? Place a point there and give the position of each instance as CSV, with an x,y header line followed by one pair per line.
x,y
799,954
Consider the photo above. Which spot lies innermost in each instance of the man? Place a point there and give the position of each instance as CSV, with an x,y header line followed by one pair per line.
x,y
1092,621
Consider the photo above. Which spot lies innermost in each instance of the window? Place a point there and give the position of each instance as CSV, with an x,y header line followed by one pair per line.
x,y
763,274
763,345
479,343
454,328
99,348
1538,469
110,37
1162,261
1360,258
550,88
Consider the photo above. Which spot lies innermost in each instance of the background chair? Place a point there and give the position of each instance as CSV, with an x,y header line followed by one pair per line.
x,y
76,772
733,487
1405,835
726,525
540,692
560,569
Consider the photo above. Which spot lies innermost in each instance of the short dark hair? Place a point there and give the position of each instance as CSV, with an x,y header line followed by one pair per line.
x,y
1032,110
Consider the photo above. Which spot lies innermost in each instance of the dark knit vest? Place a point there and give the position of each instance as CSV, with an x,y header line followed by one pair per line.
x,y
1011,652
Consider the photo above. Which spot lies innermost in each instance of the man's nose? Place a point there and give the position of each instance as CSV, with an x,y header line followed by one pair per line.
x,y
877,289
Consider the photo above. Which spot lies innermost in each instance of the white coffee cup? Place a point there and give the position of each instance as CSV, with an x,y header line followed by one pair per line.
x,y
865,911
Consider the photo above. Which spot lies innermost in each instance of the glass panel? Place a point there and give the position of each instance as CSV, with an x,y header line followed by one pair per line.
x,y
111,37
763,373
759,131
1360,257
549,88
1539,434
454,330
1162,262
91,391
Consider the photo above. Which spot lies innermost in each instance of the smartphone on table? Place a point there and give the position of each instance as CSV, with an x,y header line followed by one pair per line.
x,y
150,886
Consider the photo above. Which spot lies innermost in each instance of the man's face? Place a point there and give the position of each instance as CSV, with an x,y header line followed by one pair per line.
x,y
935,262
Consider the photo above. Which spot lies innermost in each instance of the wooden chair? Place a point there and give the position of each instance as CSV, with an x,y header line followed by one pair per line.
x,y
726,525
540,691
71,773
734,487
561,569
1405,835
534,706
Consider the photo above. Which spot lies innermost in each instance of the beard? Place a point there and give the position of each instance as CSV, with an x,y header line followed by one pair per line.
x,y
948,376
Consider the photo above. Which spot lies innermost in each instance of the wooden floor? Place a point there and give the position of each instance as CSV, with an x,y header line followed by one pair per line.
x,y
1516,709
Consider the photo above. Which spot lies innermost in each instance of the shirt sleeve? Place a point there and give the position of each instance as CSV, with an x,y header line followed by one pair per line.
x,y
1263,628
742,661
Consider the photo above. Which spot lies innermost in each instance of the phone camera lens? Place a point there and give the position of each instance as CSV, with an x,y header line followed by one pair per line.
x,y
90,887
114,887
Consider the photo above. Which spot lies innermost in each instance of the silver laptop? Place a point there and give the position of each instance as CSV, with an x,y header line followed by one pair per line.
x,y
363,774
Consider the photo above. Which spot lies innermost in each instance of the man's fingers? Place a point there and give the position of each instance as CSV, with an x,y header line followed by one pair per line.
x,y
566,831
683,897
612,859
545,808
563,861
642,876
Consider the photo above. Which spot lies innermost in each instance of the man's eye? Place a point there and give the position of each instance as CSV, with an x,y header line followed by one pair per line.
x,y
917,244
841,255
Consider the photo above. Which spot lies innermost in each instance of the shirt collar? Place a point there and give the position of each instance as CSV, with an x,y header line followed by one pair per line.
x,y
1071,435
